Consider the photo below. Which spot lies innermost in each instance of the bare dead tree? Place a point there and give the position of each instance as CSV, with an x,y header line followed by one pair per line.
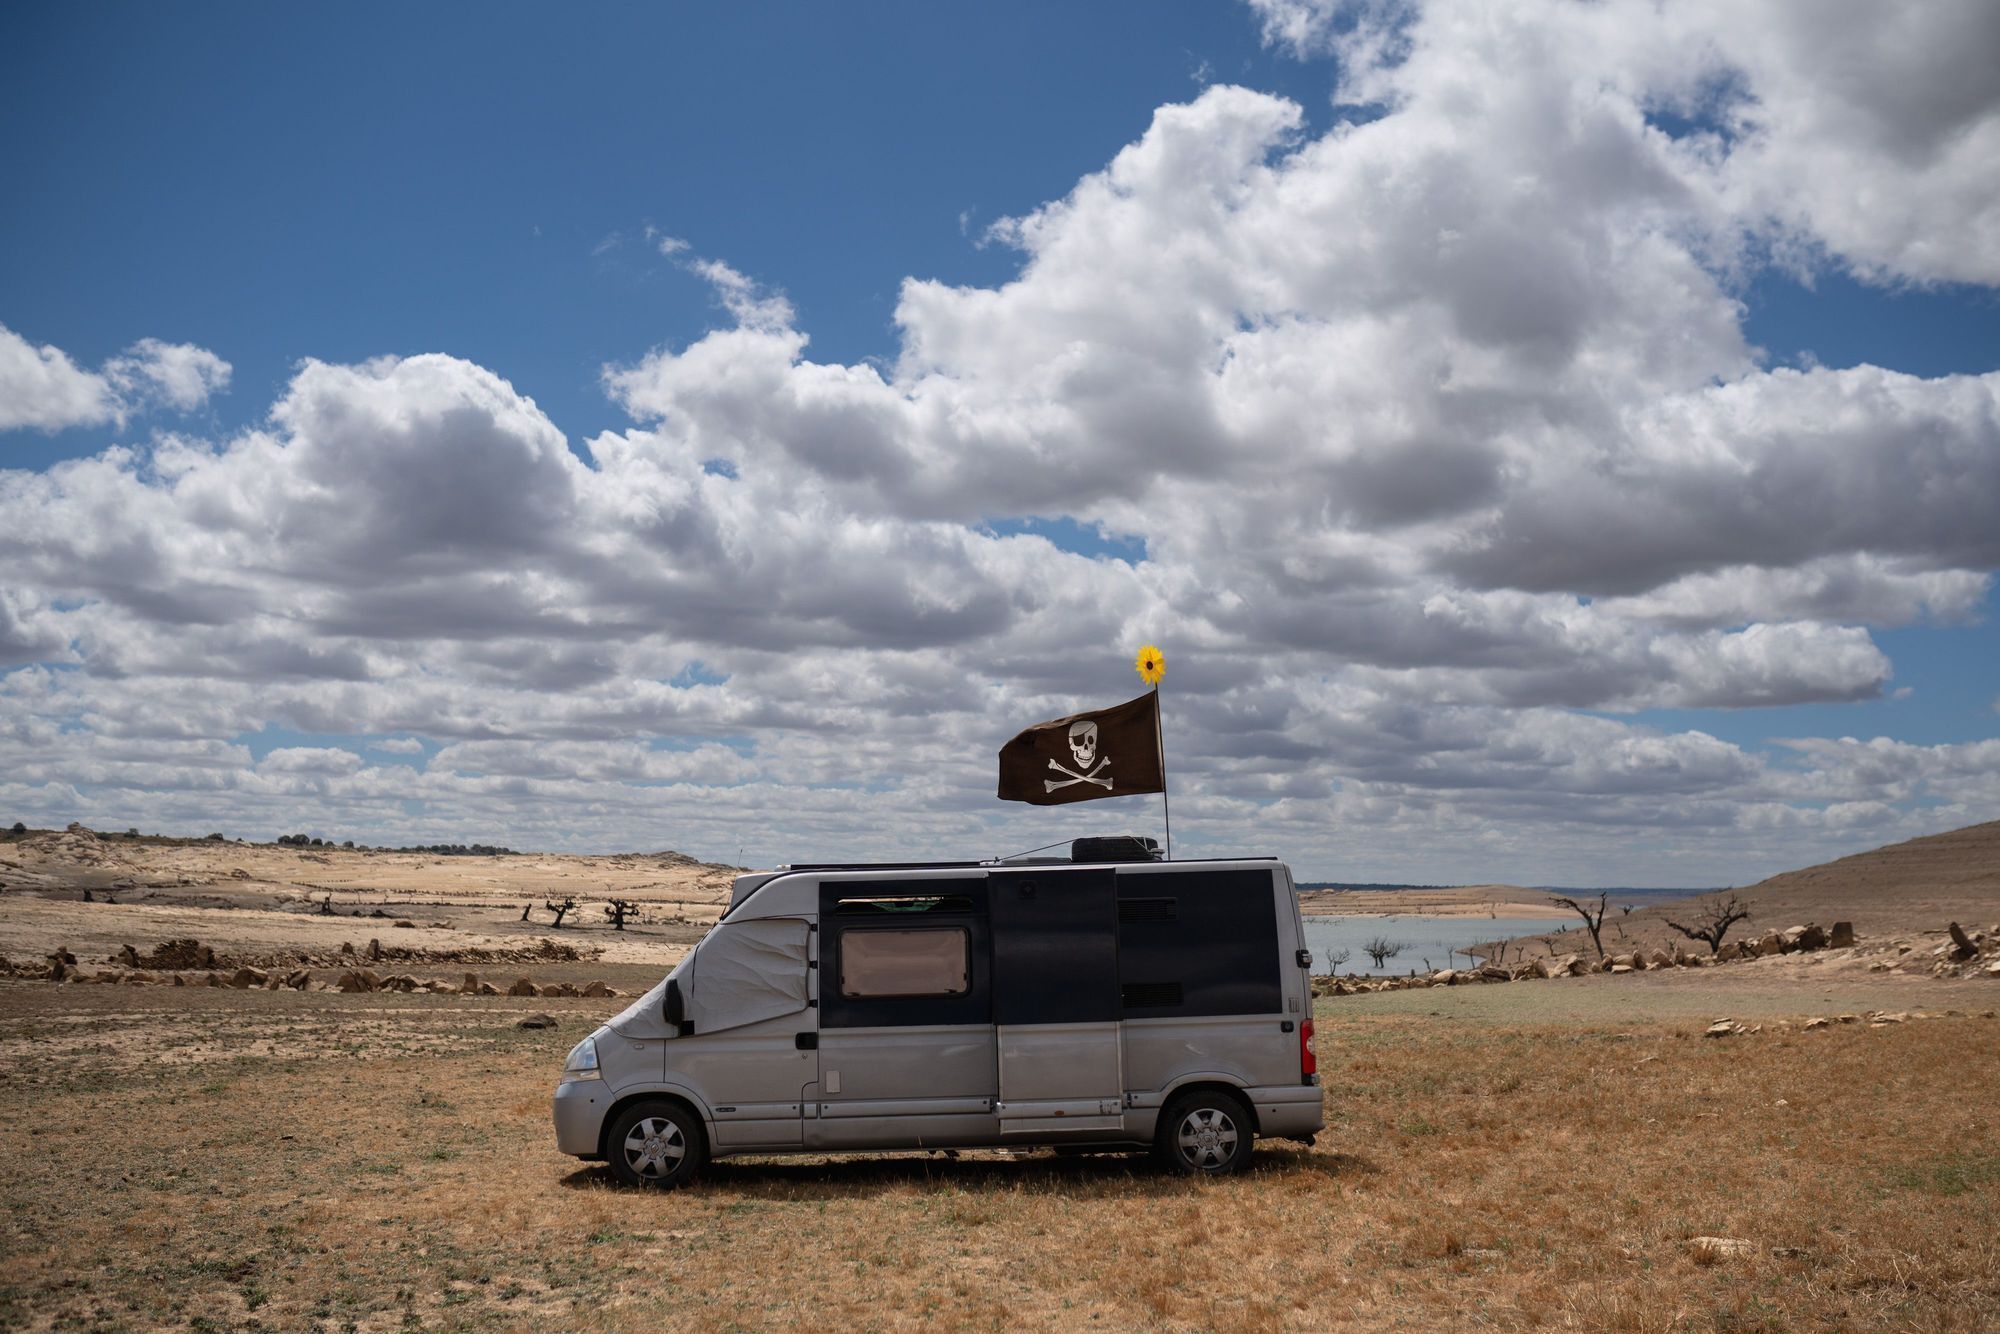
x,y
326,906
620,909
1335,958
526,908
563,909
1381,949
1592,922
1717,916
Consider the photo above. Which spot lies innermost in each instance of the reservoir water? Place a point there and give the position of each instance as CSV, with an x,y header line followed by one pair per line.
x,y
1435,939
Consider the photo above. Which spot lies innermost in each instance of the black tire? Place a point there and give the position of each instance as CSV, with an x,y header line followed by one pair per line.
x,y
1204,1133
656,1144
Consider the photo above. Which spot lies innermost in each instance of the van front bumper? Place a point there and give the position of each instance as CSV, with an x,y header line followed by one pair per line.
x,y
580,1105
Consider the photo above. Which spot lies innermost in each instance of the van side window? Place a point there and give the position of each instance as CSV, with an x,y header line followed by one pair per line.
x,y
1197,942
935,961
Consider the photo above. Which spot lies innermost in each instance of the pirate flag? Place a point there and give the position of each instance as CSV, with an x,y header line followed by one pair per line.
x,y
1112,752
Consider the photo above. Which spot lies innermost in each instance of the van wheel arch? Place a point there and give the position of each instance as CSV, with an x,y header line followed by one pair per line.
x,y
1235,1091
618,1109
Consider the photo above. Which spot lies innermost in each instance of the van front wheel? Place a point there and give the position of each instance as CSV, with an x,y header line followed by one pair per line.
x,y
656,1144
1204,1134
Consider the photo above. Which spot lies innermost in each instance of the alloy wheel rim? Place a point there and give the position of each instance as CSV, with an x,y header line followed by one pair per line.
x,y
655,1147
1206,1138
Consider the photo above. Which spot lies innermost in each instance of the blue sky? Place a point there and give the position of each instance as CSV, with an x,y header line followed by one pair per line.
x,y
277,184
388,179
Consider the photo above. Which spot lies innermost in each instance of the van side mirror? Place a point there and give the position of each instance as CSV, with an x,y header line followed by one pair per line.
x,y
674,1008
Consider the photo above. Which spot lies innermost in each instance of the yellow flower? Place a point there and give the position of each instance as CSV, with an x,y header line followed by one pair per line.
x,y
1151,665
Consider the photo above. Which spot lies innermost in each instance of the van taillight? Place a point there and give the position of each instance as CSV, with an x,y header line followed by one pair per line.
x,y
1308,1060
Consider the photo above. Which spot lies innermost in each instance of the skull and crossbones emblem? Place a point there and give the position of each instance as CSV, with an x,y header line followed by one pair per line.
x,y
1083,746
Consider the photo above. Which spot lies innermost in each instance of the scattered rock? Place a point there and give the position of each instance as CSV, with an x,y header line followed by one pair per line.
x,y
1842,936
409,926
1621,967
248,977
1723,1028
1812,1025
538,1021
176,954
596,989
524,988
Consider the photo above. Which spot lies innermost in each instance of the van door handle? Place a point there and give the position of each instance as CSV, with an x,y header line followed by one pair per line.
x,y
806,1041
1305,958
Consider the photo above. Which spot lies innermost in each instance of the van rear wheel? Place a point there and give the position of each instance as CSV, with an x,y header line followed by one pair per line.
x,y
656,1144
1204,1134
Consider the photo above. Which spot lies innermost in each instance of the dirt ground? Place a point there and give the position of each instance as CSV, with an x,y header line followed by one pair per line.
x,y
1506,1155
261,902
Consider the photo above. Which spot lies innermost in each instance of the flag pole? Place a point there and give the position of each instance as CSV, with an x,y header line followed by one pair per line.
x,y
1160,734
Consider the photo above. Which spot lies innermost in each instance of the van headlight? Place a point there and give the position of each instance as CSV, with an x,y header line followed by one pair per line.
x,y
582,1062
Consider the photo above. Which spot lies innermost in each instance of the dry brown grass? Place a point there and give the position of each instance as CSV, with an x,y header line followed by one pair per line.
x,y
387,1161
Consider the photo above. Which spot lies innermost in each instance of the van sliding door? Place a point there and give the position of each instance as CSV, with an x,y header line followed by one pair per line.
x,y
1055,1000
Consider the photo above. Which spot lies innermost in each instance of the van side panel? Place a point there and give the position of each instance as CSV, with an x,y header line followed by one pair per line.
x,y
750,1079
903,1070
902,1085
1055,1000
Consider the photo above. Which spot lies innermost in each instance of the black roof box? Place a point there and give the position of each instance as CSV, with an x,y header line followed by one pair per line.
x,y
1116,848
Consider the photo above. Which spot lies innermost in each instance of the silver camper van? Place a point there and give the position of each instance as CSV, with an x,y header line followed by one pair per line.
x,y
1100,1004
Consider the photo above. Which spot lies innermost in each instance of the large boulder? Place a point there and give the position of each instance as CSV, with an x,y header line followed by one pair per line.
x,y
1842,936
248,977
598,989
1659,959
524,987
1813,937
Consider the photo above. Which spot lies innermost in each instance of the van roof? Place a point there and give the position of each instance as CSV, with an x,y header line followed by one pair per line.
x,y
1002,864
750,883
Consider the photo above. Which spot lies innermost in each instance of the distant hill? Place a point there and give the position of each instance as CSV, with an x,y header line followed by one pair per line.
x,y
1902,889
